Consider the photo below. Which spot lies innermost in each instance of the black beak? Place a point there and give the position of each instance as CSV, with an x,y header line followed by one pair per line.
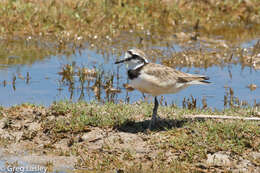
x,y
120,61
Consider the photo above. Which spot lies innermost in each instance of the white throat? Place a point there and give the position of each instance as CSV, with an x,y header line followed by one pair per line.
x,y
138,66
134,66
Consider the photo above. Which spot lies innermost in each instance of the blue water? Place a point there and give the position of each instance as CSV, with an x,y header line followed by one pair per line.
x,y
45,87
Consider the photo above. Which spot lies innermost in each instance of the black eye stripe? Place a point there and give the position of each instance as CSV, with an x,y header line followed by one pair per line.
x,y
134,57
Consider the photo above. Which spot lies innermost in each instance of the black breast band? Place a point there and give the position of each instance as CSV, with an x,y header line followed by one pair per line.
x,y
132,74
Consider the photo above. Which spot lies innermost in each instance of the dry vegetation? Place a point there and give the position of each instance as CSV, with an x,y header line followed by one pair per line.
x,y
68,20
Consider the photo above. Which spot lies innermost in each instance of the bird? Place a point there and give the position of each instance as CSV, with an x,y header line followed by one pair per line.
x,y
156,79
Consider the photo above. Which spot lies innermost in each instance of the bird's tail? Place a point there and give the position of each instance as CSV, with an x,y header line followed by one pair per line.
x,y
194,79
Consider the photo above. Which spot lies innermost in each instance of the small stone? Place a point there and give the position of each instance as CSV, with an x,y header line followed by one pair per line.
x,y
18,125
34,126
62,144
5,135
50,118
255,155
244,166
3,123
17,135
218,159
92,136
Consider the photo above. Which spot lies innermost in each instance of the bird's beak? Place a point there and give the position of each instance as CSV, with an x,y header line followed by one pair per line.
x,y
123,60
120,61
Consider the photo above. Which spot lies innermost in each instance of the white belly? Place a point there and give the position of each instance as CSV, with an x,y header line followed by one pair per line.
x,y
149,84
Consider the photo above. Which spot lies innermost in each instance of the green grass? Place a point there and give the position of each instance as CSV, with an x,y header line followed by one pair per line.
x,y
200,138
110,114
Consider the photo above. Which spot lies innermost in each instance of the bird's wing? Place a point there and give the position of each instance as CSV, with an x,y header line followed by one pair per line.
x,y
160,72
166,74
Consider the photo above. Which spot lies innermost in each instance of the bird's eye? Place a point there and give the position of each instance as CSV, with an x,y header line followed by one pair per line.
x,y
136,57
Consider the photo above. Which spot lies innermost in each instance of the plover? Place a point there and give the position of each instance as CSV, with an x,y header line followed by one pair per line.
x,y
156,79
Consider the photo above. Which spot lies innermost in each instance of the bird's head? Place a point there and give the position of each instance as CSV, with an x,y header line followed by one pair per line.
x,y
134,58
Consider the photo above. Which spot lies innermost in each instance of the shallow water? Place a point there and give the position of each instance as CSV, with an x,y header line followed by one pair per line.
x,y
45,86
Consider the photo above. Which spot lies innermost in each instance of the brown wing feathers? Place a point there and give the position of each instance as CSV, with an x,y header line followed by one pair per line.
x,y
168,73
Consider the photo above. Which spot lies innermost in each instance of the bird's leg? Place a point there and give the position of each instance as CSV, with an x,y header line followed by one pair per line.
x,y
155,108
154,116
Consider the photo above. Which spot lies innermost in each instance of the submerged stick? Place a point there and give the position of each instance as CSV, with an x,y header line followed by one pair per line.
x,y
222,117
